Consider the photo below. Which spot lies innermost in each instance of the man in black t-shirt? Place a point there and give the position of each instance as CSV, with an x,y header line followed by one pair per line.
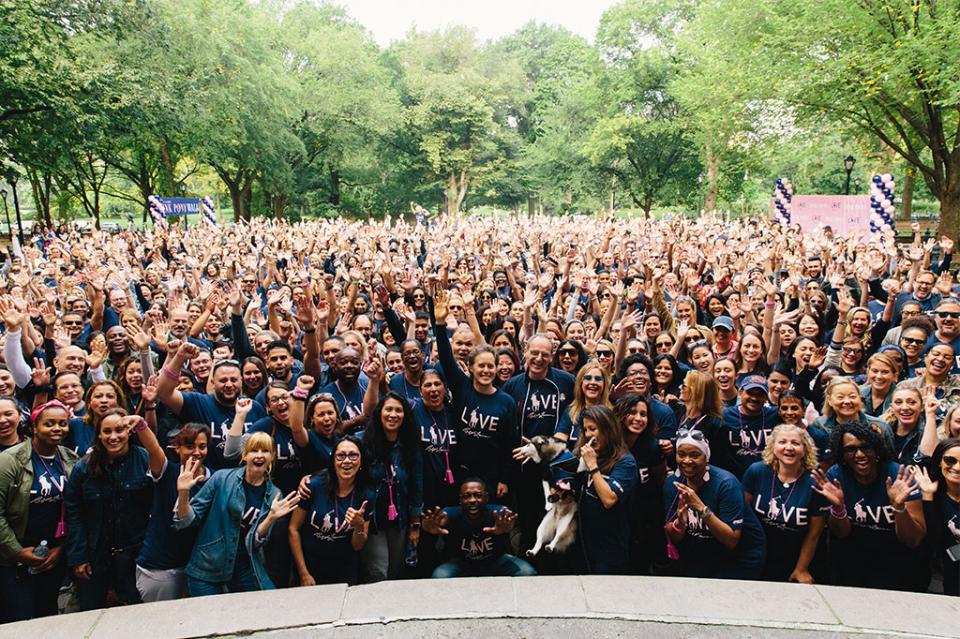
x,y
476,536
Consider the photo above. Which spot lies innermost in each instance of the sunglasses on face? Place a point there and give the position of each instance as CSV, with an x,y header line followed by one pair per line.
x,y
950,461
604,353
948,314
352,456
913,341
593,378
567,352
852,450
664,345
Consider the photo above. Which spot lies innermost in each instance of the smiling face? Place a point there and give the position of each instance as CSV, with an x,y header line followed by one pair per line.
x,y
258,460
788,448
950,466
725,374
691,461
484,368
539,352
804,350
635,421
751,349
939,360
226,383
505,367
252,376
702,359
880,375
433,392
10,421
858,455
278,404
50,429
845,400
347,460
948,320
912,341
591,385
391,417
133,376
473,498
102,399
808,326
197,449
907,406
791,410
114,435
591,430
68,389
324,419
752,401
347,365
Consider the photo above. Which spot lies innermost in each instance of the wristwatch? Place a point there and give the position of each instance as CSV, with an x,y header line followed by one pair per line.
x,y
705,514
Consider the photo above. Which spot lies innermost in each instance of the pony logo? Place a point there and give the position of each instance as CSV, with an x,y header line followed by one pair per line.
x,y
773,509
859,513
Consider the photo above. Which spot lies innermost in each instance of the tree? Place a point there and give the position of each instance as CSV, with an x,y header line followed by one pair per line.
x,y
881,67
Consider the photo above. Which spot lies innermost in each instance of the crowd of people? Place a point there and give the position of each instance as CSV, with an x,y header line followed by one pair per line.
x,y
186,412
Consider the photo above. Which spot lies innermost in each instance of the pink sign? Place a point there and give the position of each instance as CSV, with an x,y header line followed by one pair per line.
x,y
845,214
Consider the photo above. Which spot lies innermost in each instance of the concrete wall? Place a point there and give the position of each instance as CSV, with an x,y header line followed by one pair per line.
x,y
554,607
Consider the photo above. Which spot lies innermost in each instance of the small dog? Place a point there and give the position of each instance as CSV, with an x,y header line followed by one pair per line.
x,y
560,467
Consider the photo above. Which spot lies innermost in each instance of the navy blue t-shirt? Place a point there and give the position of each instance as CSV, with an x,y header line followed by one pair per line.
x,y
606,531
349,400
784,511
869,509
253,497
46,500
471,543
438,442
703,555
205,409
747,435
326,533
81,436
648,457
290,462
165,547
540,403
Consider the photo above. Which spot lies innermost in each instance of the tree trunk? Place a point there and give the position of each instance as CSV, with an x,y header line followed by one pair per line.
x,y
456,191
531,204
335,189
950,212
647,205
166,180
906,197
713,171
613,193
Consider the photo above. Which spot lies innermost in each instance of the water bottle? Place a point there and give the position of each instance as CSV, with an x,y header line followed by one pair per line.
x,y
411,555
40,551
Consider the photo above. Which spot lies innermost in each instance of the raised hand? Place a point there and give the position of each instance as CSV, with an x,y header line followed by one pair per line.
x,y
40,374
283,506
305,382
355,516
243,406
187,351
433,521
149,391
139,338
188,478
899,489
503,522
374,369
98,354
930,402
831,490
440,300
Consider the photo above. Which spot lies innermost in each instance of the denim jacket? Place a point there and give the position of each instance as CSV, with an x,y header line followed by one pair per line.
x,y
16,479
217,509
407,488
116,505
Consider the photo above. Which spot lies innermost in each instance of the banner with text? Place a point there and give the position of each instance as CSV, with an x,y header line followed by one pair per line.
x,y
174,206
845,214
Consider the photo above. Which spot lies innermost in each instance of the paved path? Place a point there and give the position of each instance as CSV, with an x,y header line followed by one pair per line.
x,y
534,607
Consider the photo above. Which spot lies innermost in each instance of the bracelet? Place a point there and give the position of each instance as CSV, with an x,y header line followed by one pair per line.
x,y
705,514
677,525
169,374
141,426
902,509
299,393
310,331
148,407
769,305
838,514
591,471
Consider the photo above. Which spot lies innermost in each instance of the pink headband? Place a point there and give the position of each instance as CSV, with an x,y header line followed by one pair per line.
x,y
53,403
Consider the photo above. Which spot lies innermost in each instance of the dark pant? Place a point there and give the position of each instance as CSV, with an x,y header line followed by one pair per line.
x,y
530,503
243,580
276,554
24,596
502,566
118,571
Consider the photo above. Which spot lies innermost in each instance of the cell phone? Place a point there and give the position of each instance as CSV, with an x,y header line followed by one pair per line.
x,y
953,552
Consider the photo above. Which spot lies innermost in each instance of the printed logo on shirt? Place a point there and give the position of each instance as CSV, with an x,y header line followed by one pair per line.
x,y
478,425
873,517
697,528
644,474
476,548
51,488
327,529
249,516
440,440
782,516
749,442
287,455
543,405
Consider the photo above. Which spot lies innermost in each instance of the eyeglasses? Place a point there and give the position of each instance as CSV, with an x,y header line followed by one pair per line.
x,y
913,341
692,434
948,314
852,450
909,313
279,399
604,353
352,456
664,344
853,351
950,461
644,373
456,308
924,283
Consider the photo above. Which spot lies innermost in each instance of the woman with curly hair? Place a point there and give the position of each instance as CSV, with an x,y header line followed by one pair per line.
x,y
876,519
780,490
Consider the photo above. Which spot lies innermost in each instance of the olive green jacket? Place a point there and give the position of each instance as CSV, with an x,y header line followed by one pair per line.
x,y
16,479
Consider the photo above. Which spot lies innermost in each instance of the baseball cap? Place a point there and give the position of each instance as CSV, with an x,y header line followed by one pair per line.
x,y
723,322
754,381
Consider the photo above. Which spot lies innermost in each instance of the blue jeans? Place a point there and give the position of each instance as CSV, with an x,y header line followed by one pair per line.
x,y
503,566
243,580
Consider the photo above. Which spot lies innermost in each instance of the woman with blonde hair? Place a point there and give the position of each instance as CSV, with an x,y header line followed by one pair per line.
x,y
906,420
591,388
779,489
842,404
702,409
235,510
883,371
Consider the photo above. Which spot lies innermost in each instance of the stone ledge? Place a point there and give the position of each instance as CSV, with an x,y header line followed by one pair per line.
x,y
668,605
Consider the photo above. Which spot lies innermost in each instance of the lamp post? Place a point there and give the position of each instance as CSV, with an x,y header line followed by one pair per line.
x,y
848,163
6,211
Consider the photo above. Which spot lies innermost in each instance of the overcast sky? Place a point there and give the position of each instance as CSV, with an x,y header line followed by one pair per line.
x,y
390,20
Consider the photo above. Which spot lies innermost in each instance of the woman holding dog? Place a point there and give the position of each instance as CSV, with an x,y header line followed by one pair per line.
x,y
710,528
611,479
